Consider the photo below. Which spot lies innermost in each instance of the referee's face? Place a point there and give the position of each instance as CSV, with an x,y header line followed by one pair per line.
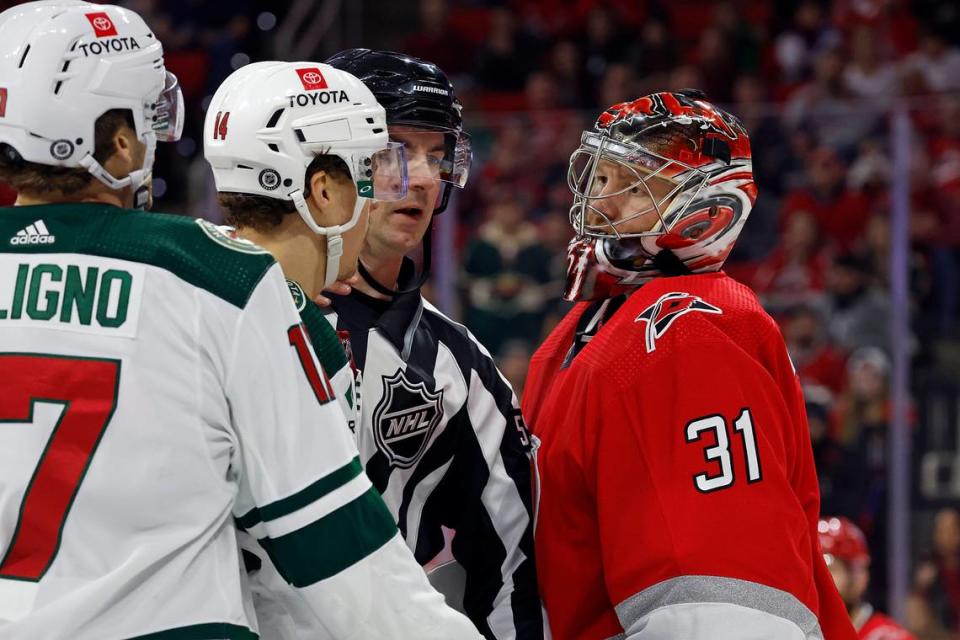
x,y
397,228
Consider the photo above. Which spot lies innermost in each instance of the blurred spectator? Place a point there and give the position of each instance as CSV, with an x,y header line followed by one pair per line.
x,y
937,578
937,62
863,411
868,75
825,106
603,42
566,67
857,314
771,154
870,172
507,269
841,214
555,235
840,471
863,425
684,76
741,36
541,92
794,273
508,55
817,361
619,85
654,56
715,59
936,210
808,35
921,621
437,41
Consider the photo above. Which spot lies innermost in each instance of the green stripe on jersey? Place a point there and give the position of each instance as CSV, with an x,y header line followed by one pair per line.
x,y
325,340
333,543
285,506
195,251
208,631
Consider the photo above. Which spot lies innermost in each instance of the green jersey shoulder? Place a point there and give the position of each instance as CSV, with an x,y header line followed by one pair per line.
x,y
201,253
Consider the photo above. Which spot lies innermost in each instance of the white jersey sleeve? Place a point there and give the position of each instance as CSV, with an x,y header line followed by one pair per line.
x,y
303,494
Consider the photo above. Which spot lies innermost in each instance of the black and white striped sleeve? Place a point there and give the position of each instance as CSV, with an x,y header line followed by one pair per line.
x,y
489,491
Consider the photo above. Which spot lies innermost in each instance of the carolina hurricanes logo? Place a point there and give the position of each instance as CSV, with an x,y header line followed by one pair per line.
x,y
661,314
312,79
102,25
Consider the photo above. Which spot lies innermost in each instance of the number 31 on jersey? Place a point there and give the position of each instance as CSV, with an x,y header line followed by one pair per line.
x,y
720,452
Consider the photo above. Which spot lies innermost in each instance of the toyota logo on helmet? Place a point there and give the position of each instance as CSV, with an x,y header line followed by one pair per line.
x,y
662,186
312,79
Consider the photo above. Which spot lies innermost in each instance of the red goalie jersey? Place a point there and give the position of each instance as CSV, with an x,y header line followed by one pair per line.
x,y
678,496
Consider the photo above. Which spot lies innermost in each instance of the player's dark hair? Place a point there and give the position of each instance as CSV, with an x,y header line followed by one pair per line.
x,y
263,213
37,178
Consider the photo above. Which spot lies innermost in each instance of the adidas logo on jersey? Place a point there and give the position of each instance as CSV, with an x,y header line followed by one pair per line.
x,y
35,233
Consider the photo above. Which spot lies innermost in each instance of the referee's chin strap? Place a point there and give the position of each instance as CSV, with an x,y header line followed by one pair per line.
x,y
334,234
416,282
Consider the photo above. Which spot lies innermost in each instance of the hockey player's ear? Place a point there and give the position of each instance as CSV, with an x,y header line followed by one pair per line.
x,y
127,153
320,189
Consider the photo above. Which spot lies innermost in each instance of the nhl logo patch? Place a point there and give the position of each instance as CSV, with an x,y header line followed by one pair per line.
x,y
61,149
269,179
662,313
405,418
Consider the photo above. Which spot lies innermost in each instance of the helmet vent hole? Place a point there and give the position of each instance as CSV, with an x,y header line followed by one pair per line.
x,y
274,118
243,166
273,148
66,65
300,136
23,58
369,120
56,89
378,130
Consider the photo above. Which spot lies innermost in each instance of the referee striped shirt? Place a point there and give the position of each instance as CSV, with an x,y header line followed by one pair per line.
x,y
442,438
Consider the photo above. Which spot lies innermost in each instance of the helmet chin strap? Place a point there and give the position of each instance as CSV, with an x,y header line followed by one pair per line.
x,y
139,179
334,234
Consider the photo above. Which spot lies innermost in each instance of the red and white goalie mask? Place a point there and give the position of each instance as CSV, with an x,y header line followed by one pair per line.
x,y
662,186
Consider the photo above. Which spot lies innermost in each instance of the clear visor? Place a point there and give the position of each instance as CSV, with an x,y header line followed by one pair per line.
x,y
444,155
167,118
383,175
620,190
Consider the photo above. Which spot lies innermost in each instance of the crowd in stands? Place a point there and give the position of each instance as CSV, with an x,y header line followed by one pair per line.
x,y
814,82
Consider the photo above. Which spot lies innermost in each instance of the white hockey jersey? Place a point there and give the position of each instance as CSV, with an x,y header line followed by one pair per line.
x,y
155,385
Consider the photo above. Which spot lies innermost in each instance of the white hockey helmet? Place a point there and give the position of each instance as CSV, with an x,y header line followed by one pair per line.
x,y
269,120
65,63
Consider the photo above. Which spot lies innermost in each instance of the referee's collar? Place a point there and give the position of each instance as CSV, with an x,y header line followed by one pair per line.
x,y
400,319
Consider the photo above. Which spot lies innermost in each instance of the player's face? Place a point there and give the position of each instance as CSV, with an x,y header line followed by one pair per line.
x,y
396,228
623,199
851,581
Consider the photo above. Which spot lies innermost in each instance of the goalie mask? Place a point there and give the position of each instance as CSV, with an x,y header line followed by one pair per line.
x,y
662,187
